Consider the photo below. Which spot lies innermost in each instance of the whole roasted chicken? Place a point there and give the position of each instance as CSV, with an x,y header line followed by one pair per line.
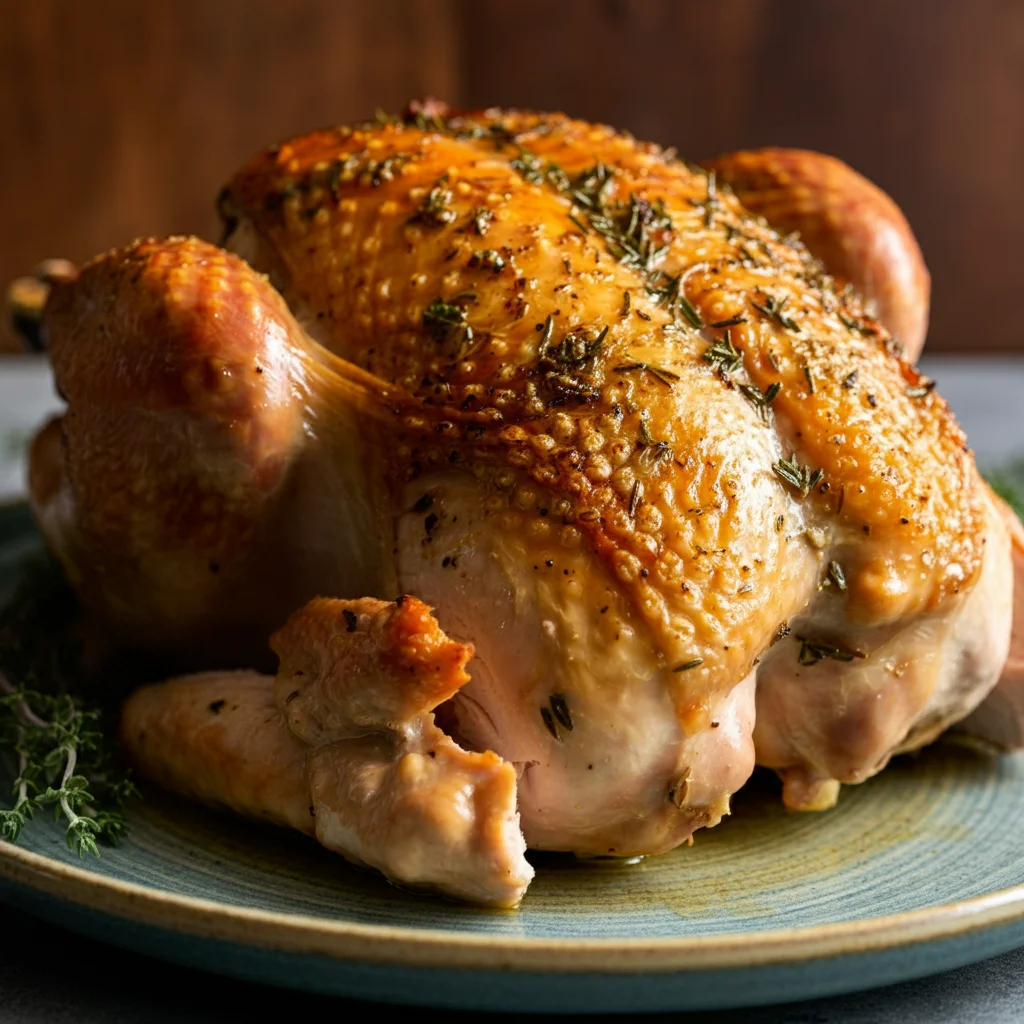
x,y
564,485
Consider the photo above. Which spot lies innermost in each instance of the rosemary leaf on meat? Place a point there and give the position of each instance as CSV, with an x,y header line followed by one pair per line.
x,y
762,400
801,478
724,354
667,377
774,309
813,651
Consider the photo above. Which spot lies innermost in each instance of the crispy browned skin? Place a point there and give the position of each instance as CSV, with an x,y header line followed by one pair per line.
x,y
895,468
847,222
383,661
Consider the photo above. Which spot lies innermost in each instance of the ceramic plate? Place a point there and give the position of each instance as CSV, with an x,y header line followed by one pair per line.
x,y
918,870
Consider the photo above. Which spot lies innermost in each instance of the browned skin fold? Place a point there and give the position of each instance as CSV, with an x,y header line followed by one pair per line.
x,y
846,221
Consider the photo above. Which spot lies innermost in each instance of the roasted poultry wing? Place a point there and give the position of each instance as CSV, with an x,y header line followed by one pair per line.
x,y
668,486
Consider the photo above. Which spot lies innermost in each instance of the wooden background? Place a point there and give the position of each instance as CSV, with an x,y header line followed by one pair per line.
x,y
120,118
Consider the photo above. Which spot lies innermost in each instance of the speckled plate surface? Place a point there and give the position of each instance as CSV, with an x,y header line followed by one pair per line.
x,y
917,871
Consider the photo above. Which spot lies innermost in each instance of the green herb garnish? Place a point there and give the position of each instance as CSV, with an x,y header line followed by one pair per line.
x,y
57,748
813,651
800,478
774,309
724,355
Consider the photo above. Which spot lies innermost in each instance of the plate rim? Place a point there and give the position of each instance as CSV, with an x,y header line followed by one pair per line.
x,y
395,945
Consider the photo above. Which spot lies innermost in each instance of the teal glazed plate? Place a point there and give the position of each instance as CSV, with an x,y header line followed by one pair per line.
x,y
917,871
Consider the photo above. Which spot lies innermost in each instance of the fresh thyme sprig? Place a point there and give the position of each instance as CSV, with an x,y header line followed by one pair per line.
x,y
774,309
55,746
801,478
724,354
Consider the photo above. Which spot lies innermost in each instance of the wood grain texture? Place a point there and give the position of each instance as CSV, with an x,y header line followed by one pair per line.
x,y
922,96
119,119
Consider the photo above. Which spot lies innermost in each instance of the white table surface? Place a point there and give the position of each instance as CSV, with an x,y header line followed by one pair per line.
x,y
49,975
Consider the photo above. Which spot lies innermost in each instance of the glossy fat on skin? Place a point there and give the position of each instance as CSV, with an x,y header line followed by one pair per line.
x,y
846,221
218,737
358,682
567,684
338,216
834,721
180,490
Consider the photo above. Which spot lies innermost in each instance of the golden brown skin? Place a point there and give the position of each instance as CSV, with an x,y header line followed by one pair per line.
x,y
527,362
885,456
846,221
174,490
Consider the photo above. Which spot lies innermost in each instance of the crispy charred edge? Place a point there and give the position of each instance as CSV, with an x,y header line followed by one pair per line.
x,y
425,667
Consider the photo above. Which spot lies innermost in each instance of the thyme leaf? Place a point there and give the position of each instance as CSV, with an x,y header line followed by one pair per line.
x,y
59,748
774,309
836,575
813,651
447,322
481,218
435,210
801,478
667,377
724,355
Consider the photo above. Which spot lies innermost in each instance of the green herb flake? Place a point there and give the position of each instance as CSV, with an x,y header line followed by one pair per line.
x,y
482,219
687,665
447,322
435,210
813,651
802,479
774,309
836,575
724,355
667,377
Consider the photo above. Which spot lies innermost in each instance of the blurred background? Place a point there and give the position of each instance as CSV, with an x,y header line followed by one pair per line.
x,y
120,118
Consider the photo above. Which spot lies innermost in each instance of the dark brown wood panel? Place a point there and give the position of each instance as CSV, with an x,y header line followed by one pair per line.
x,y
120,118
926,97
